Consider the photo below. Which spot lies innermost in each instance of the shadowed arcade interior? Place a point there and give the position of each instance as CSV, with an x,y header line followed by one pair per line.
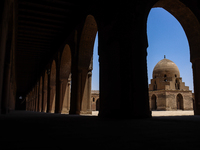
x,y
46,43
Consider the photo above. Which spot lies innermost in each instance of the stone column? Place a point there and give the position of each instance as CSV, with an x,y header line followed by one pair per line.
x,y
6,90
27,103
78,103
44,100
48,92
68,93
30,108
74,95
59,93
89,91
31,100
37,97
123,67
85,99
61,97
40,102
64,95
40,95
44,92
52,99
196,79
79,92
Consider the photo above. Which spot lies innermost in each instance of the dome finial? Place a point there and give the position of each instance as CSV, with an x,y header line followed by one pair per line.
x,y
164,56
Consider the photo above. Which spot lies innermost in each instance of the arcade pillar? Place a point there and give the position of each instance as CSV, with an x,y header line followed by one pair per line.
x,y
123,66
196,79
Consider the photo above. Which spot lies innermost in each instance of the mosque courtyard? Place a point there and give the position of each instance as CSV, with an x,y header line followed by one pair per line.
x,y
163,113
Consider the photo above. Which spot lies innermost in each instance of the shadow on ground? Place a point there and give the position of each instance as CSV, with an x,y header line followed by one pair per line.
x,y
40,131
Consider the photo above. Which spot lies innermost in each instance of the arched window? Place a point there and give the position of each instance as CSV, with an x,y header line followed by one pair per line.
x,y
177,84
165,78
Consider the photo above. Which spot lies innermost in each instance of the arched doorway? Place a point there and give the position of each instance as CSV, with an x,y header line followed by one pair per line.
x,y
191,26
65,80
179,102
81,76
153,102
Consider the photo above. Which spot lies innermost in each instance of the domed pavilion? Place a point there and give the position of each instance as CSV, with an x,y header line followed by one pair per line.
x,y
167,91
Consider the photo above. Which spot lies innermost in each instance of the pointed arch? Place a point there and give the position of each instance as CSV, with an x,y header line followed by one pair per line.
x,y
81,80
85,63
87,42
65,65
65,79
191,26
189,23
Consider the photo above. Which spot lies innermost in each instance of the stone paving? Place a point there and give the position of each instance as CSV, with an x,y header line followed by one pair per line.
x,y
163,113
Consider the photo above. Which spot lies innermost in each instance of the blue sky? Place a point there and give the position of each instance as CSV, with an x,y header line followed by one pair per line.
x,y
95,71
165,37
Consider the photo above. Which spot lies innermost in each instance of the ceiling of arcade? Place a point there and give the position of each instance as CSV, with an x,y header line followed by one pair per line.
x,y
42,28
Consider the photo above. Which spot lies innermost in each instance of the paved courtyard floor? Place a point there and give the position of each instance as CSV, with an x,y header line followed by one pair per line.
x,y
23,130
163,113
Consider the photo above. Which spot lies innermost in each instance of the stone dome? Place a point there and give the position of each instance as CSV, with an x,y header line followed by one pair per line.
x,y
166,68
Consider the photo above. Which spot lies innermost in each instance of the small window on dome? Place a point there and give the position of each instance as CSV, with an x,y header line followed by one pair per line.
x,y
175,75
165,75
